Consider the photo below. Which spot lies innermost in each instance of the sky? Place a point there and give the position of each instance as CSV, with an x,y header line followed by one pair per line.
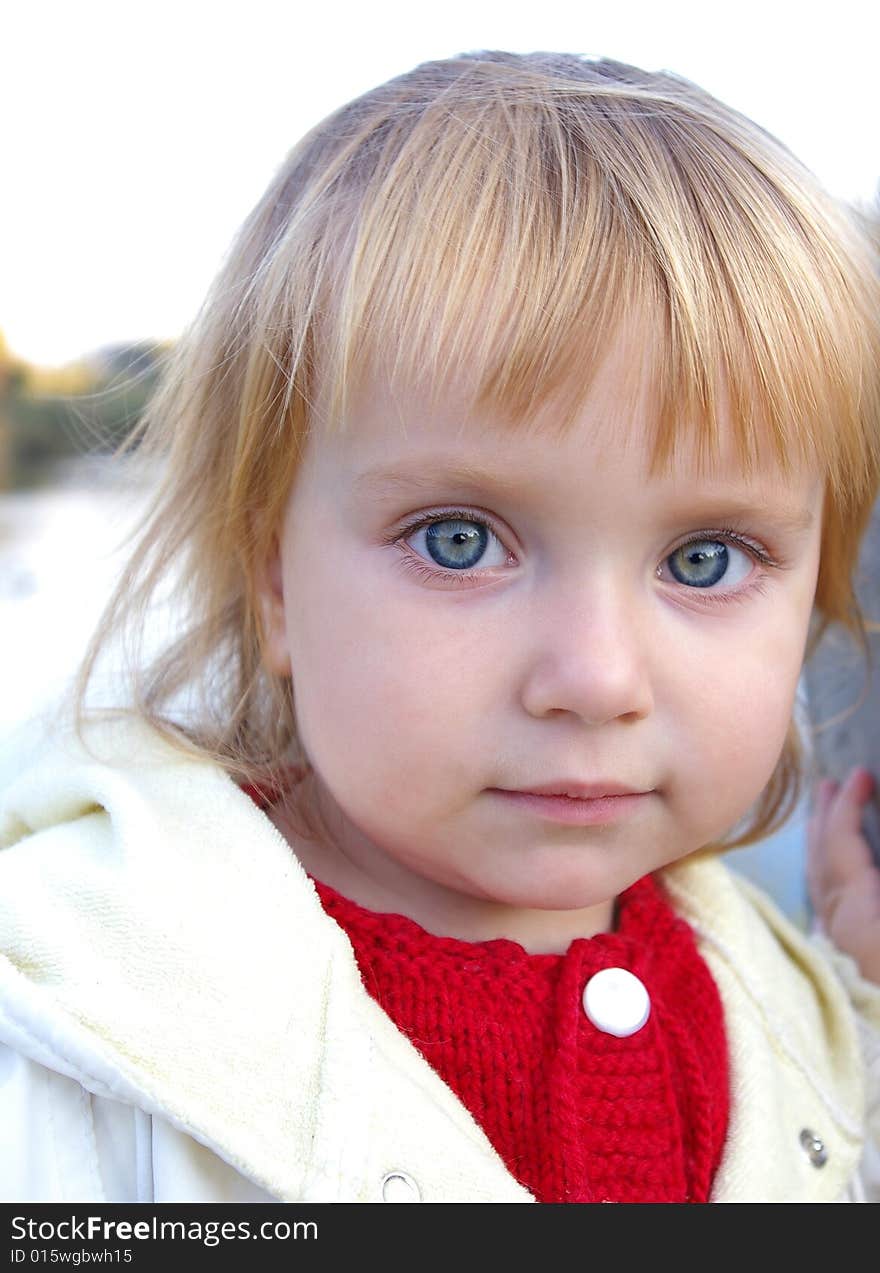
x,y
138,136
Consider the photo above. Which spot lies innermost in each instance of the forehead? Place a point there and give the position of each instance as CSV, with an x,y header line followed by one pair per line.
x,y
400,439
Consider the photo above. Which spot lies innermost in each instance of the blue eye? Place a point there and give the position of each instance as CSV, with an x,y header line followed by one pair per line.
x,y
702,563
455,544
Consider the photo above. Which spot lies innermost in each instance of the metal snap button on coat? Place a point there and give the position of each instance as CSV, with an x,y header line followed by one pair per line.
x,y
814,1147
397,1186
616,1002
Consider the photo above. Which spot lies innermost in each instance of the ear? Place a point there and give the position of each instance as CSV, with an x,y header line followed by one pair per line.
x,y
270,596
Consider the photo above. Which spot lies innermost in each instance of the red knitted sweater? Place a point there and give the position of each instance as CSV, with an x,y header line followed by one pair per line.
x,y
577,1115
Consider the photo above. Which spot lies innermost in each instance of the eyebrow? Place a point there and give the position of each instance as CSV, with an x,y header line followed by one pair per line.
x,y
790,520
432,474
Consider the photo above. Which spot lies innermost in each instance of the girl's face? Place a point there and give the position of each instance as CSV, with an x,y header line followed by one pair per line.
x,y
469,614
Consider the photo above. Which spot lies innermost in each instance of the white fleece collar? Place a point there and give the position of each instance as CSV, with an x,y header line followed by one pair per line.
x,y
162,945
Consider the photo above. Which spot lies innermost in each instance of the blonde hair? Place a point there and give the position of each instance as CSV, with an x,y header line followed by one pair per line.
x,y
506,214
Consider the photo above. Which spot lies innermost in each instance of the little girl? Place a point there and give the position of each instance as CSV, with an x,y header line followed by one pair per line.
x,y
518,457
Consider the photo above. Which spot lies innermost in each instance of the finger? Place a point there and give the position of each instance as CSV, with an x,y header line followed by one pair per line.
x,y
844,808
841,849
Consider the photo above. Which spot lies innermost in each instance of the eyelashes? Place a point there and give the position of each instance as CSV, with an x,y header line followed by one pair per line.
x,y
489,542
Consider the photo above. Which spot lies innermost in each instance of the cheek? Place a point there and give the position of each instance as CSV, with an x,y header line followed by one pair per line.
x,y
382,685
754,732
740,718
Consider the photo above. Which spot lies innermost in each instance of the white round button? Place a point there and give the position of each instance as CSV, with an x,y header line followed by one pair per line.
x,y
397,1186
616,1002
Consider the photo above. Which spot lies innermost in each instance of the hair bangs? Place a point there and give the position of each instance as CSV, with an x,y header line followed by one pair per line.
x,y
503,243
475,261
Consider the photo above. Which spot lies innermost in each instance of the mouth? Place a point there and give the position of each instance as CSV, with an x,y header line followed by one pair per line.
x,y
575,804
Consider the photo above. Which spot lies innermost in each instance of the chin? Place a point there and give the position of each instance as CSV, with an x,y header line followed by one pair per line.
x,y
565,896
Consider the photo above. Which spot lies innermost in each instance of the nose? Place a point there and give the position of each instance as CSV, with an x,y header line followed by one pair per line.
x,y
590,655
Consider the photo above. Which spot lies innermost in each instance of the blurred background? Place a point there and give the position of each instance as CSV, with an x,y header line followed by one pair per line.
x,y
136,140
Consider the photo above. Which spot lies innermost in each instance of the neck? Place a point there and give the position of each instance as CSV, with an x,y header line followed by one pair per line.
x,y
362,872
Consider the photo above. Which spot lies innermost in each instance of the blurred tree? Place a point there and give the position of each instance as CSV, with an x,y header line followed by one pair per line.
x,y
52,415
12,375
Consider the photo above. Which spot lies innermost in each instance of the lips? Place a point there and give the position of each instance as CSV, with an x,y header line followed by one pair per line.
x,y
576,804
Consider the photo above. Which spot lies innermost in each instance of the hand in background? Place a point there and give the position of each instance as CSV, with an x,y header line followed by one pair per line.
x,y
843,880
